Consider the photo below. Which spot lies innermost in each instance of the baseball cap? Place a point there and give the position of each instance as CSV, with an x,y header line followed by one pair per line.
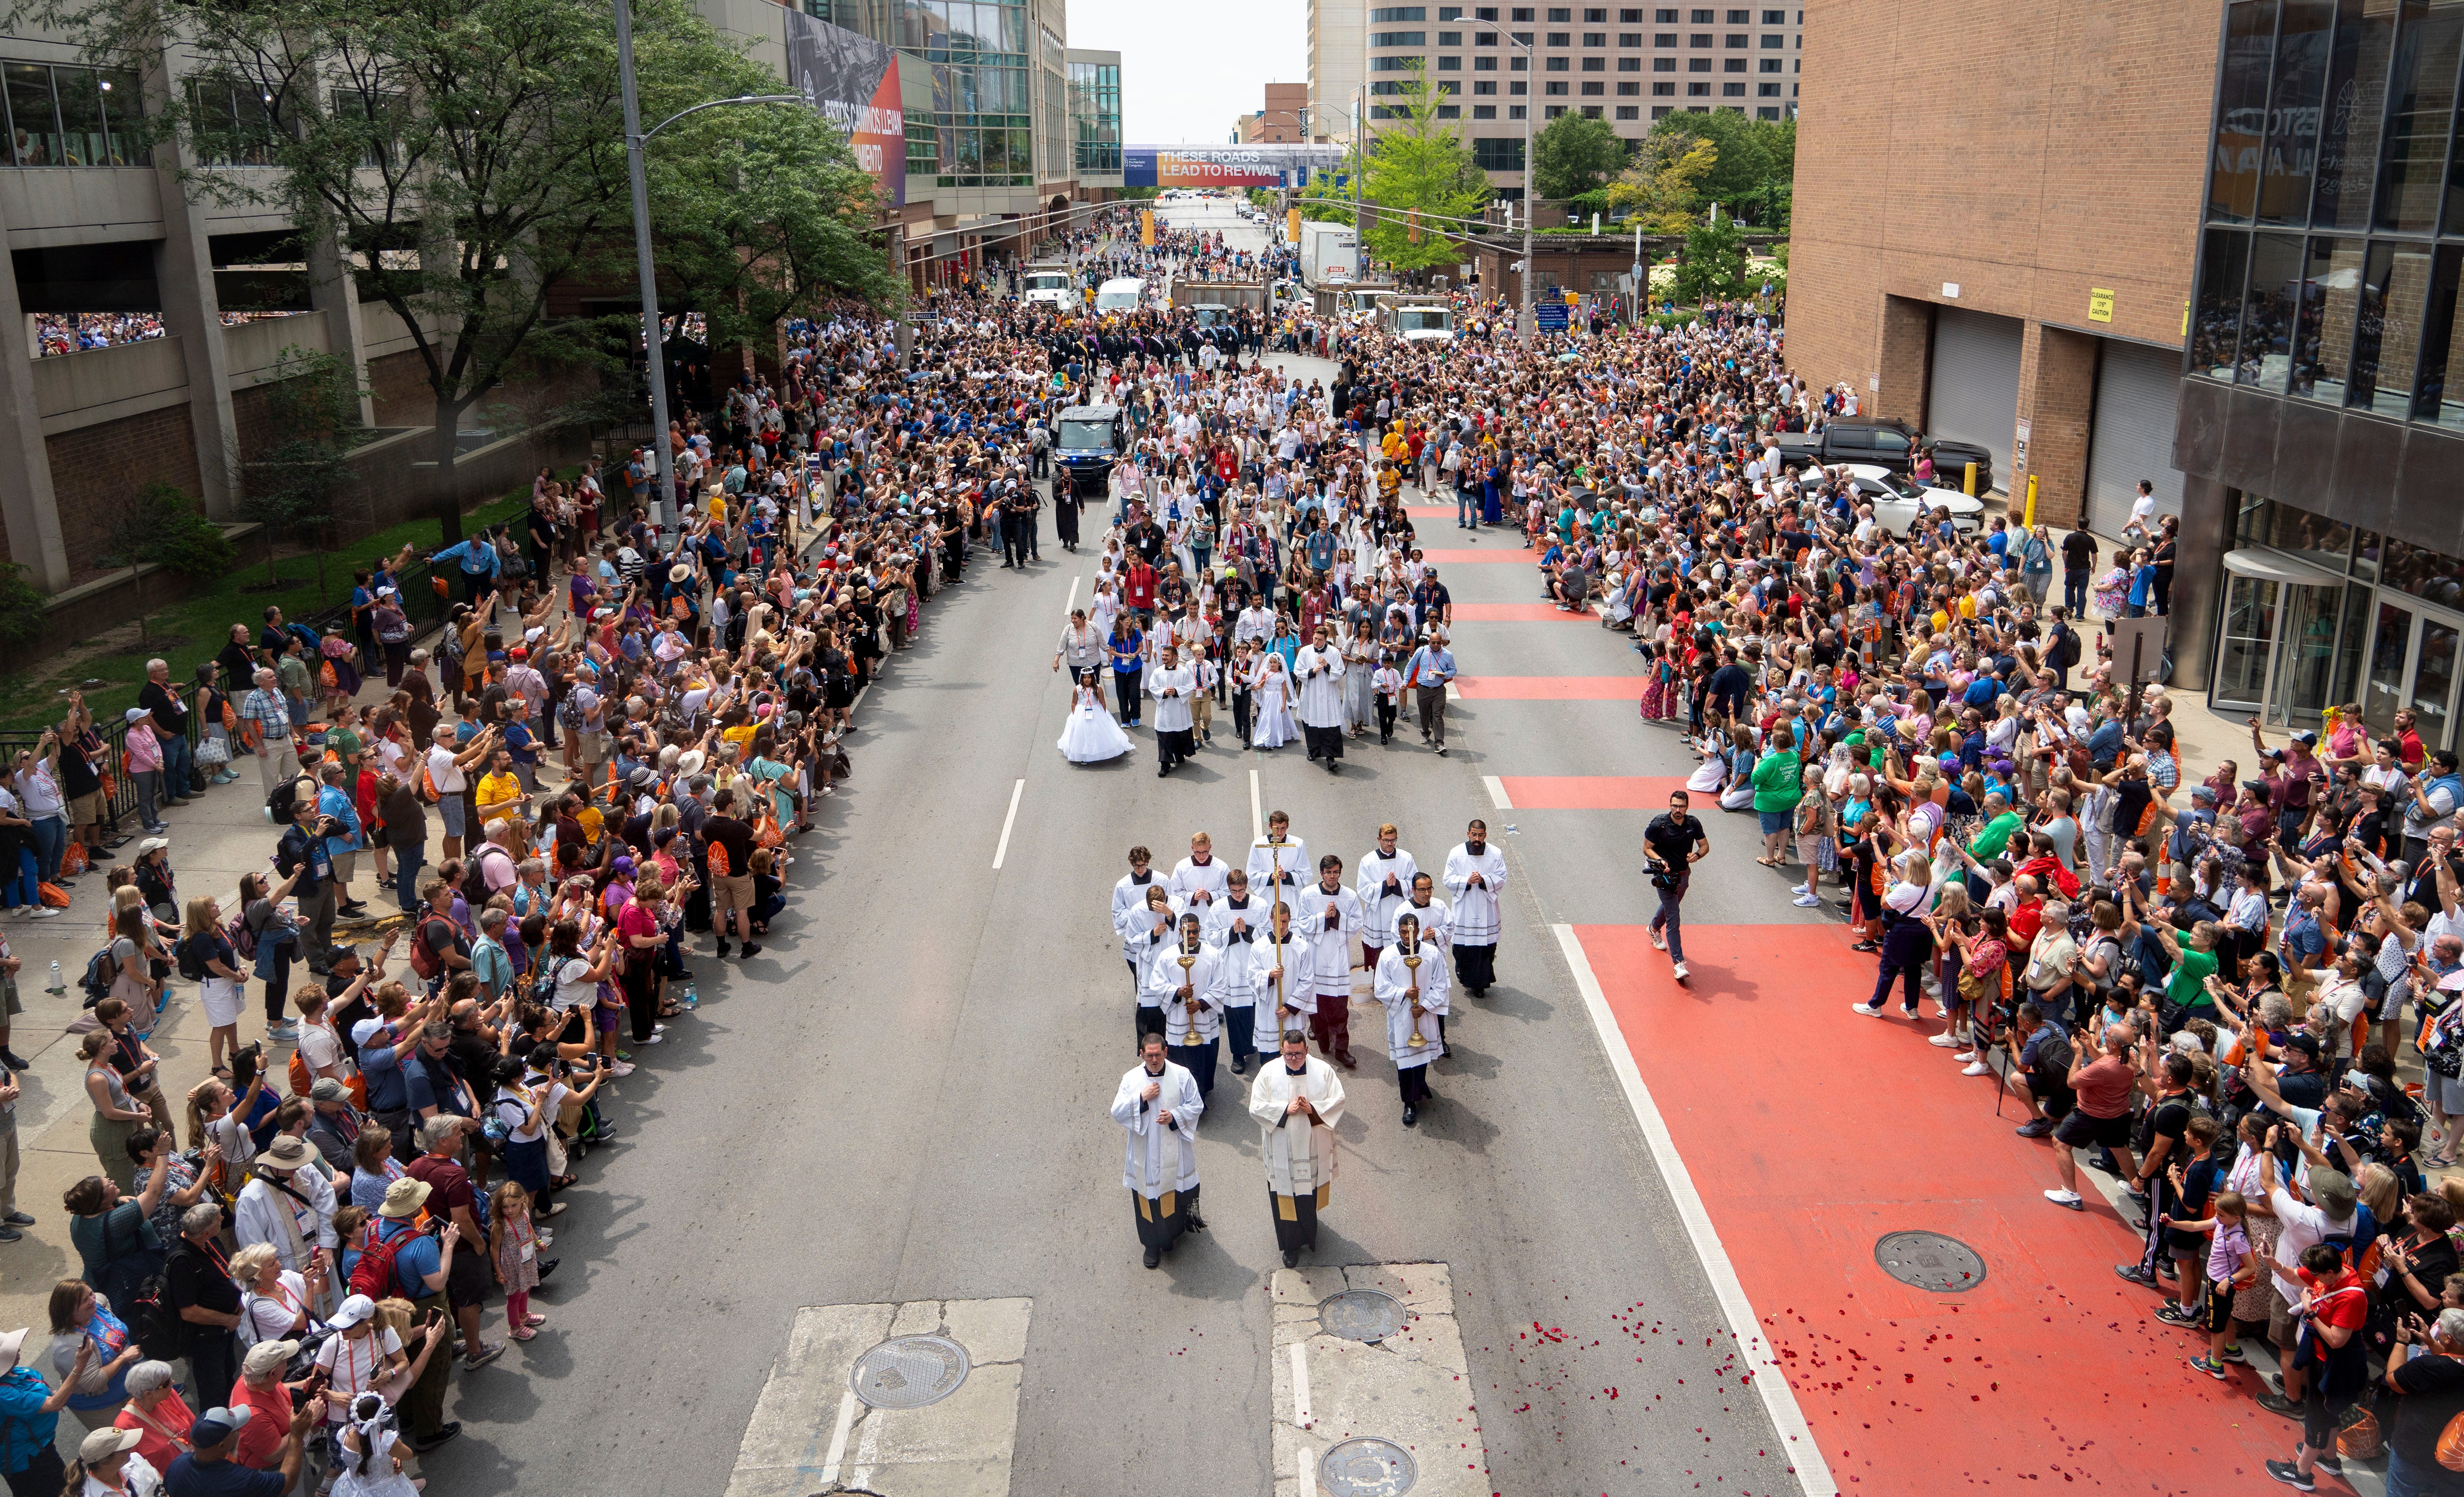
x,y
328,1089
101,1445
357,1309
217,1424
267,1356
2308,1045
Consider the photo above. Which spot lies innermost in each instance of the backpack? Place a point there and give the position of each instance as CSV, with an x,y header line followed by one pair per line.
x,y
99,971
192,965
716,860
147,1313
2352,1244
373,1275
427,789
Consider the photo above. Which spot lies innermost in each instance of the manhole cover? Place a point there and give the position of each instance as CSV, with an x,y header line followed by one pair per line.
x,y
1931,1261
1360,1315
910,1372
1368,1468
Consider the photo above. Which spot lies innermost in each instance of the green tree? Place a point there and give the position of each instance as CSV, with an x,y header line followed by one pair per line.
x,y
1743,170
313,406
1418,165
1575,153
469,156
1663,186
1714,267
160,525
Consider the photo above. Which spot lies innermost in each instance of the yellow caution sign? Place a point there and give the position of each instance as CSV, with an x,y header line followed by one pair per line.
x,y
1146,228
2100,304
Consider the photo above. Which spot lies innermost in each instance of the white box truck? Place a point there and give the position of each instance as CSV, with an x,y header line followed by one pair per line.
x,y
1047,281
1329,255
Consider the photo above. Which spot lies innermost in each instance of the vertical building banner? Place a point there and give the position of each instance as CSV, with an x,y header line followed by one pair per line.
x,y
853,81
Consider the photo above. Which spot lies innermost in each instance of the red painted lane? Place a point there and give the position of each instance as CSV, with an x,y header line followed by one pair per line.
x,y
1590,792
1550,688
1519,613
1811,1132
1430,511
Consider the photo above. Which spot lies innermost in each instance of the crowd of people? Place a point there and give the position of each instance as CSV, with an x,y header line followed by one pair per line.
x,y
2211,988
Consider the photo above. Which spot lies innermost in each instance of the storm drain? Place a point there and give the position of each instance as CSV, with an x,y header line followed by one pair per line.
x,y
910,1372
1931,1261
1361,1315
1368,1468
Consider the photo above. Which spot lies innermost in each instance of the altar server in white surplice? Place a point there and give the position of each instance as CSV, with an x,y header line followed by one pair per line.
x,y
1297,1101
1384,888
1475,880
1236,926
1183,983
1411,984
1159,1104
1329,919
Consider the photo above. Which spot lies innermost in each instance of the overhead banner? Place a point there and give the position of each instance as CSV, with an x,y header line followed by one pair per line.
x,y
1224,165
853,81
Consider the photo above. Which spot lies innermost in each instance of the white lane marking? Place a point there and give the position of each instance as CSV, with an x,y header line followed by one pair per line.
x,y
1779,1401
1073,594
1454,694
1497,796
1257,821
1305,1467
1300,1385
1015,791
839,1438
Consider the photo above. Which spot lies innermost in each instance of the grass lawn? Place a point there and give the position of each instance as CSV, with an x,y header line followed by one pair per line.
x,y
33,696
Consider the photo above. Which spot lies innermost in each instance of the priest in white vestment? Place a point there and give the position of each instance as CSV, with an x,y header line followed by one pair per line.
x,y
1159,1104
1297,1100
1384,888
1317,676
1475,878
1171,683
1411,984
1283,994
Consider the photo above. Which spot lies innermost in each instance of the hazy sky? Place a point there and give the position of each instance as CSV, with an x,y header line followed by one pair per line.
x,y
1188,67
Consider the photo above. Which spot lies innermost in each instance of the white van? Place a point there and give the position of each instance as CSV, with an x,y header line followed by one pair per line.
x,y
1120,295
1047,284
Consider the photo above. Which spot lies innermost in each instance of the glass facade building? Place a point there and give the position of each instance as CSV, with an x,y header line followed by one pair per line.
x,y
2318,343
1095,115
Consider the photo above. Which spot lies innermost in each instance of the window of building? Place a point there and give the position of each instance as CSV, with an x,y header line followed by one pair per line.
x,y
1449,38
1484,111
1698,64
1384,90
69,116
1774,17
1631,15
1774,42
1629,65
1518,88
1556,64
1629,90
1451,64
1735,42
1554,90
1481,86
2422,108
1591,111
1595,90
1517,111
1484,65
1596,38
1732,64
1741,18
1698,40
1561,38
1523,38
1766,90
1398,38
1662,111
1697,90
1767,112
1485,12
1396,64
1523,12
1629,111
1732,90
1629,38
1662,90
1552,111
1701,17
1450,13
1593,15
1663,16
1596,64
1663,38
1770,65
1497,154
1560,14
1398,12
1449,111
1663,64
1485,39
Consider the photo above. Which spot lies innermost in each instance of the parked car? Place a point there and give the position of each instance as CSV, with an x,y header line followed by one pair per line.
x,y
1889,444
1898,503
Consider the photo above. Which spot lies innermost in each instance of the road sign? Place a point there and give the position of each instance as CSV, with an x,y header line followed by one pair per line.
x,y
1551,313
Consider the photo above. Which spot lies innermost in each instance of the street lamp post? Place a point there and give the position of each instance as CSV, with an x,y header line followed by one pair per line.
x,y
635,138
1531,328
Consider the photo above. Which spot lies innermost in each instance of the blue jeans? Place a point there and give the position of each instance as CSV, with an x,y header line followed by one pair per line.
x,y
51,839
1467,508
2075,592
406,864
178,762
2407,1479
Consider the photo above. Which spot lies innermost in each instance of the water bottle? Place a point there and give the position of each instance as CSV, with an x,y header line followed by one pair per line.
x,y
692,999
60,983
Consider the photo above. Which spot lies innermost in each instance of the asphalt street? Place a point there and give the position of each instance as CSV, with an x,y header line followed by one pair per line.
x,y
904,1098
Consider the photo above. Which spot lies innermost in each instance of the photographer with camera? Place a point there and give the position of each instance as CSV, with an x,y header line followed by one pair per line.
x,y
304,853
1671,845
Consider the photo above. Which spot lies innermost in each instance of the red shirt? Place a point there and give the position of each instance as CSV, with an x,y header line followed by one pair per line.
x,y
2408,749
2025,921
260,1439
1141,585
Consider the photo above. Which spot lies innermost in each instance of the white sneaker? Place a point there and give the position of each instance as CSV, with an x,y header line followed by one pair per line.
x,y
1977,1068
1678,972
1798,889
1944,1039
46,913
656,1038
621,1069
1658,943
2064,1197
1965,1056
1806,902
1867,1010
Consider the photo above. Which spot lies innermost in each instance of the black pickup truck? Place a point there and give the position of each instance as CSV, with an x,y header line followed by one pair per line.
x,y
1892,445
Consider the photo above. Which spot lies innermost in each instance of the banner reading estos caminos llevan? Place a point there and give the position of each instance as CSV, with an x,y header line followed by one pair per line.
x,y
853,81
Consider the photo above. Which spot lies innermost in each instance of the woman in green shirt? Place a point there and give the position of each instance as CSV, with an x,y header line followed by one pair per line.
x,y
1776,789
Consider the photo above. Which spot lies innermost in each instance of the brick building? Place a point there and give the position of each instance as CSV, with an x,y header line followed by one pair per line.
x,y
2011,264
1283,119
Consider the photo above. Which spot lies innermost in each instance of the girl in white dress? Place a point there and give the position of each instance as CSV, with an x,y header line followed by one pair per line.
x,y
1274,726
367,1466
1092,735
